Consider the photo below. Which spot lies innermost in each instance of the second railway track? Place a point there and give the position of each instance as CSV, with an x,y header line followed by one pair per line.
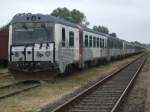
x,y
107,94
16,88
5,76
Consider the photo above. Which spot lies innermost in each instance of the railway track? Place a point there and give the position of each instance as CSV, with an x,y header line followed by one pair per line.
x,y
16,88
5,76
107,94
4,73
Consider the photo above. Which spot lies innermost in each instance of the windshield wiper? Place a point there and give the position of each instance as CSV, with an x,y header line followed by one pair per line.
x,y
25,27
45,29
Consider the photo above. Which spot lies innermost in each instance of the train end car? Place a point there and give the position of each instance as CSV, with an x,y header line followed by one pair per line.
x,y
39,43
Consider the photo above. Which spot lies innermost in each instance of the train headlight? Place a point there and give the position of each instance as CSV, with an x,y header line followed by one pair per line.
x,y
33,18
47,53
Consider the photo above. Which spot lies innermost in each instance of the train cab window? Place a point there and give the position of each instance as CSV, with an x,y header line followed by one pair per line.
x,y
94,42
90,44
86,41
71,39
63,37
97,42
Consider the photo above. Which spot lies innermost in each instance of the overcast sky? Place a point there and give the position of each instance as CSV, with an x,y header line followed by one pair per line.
x,y
130,19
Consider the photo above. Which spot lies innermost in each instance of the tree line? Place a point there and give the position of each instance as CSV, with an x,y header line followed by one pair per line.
x,y
74,16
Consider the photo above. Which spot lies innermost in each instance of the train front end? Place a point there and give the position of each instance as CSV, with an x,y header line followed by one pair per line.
x,y
31,47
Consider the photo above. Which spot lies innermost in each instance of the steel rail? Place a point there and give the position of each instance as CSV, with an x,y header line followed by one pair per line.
x,y
34,85
101,82
4,76
127,88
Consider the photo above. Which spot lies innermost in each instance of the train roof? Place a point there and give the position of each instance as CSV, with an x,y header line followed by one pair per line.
x,y
28,17
41,18
48,18
114,38
92,31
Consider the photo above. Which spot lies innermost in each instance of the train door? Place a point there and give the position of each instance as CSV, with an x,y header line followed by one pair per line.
x,y
81,62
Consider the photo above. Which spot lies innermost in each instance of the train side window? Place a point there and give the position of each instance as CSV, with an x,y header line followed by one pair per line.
x,y
97,42
108,43
100,43
86,41
71,39
116,43
63,37
94,42
105,43
90,42
112,44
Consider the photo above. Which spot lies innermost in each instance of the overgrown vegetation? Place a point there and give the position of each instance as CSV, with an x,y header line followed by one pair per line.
x,y
74,15
102,29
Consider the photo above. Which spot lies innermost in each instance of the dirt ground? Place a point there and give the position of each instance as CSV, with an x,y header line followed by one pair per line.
x,y
138,99
50,92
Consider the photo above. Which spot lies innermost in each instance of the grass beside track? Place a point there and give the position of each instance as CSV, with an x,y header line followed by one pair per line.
x,y
3,70
50,92
5,80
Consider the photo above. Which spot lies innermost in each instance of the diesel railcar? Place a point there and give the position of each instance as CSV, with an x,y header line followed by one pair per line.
x,y
45,43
